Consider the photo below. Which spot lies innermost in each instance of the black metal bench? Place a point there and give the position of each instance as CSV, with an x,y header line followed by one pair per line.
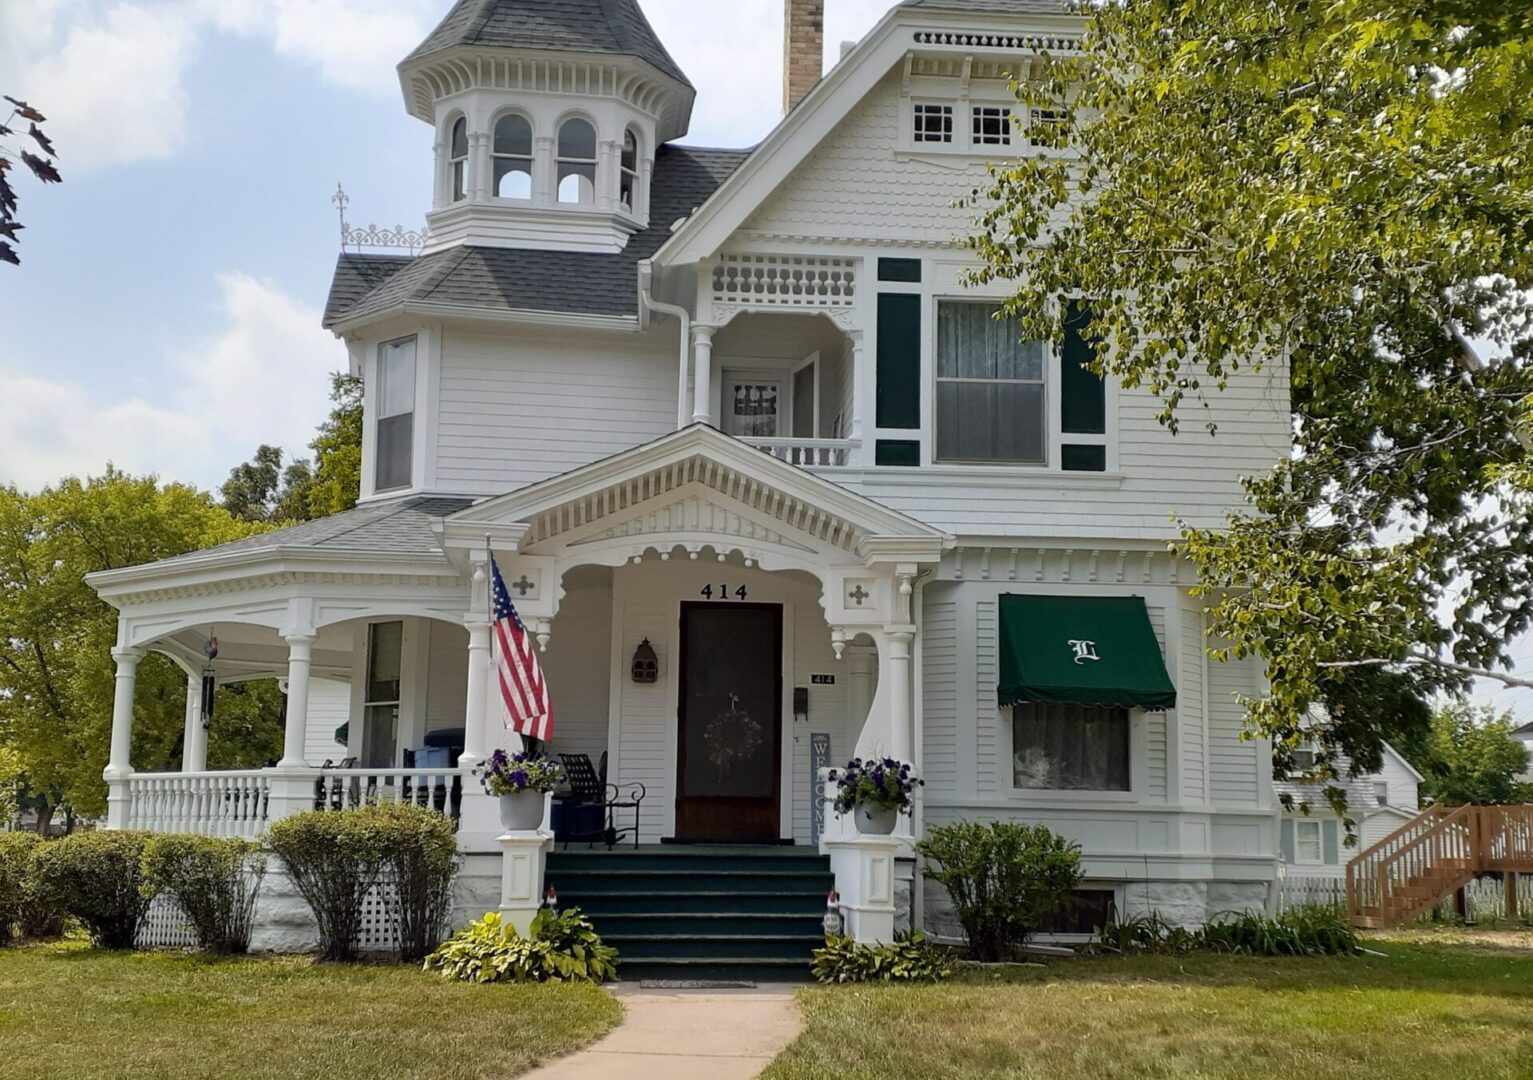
x,y
588,788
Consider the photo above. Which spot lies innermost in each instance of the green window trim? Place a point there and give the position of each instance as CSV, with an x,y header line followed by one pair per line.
x,y
898,389
1082,392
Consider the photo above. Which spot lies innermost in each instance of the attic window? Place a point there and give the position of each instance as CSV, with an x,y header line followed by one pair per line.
x,y
458,159
992,125
933,123
628,181
577,162
512,151
1046,128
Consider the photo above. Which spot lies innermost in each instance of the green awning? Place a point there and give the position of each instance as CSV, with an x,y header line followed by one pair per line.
x,y
1081,650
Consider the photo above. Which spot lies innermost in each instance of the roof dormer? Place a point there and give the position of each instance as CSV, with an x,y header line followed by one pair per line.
x,y
547,117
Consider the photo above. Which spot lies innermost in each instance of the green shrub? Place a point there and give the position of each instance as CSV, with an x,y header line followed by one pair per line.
x,y
335,858
909,958
559,948
1004,878
215,882
16,849
1317,930
98,878
422,858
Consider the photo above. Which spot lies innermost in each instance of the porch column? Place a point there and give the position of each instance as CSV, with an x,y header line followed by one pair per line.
x,y
860,665
702,374
474,742
300,652
901,707
119,765
858,378
194,743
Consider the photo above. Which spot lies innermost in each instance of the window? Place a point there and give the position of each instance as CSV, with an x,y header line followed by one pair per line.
x,y
992,125
1307,846
457,157
577,162
512,154
1304,759
991,405
752,408
934,123
1070,748
1087,911
380,713
1381,791
628,181
1045,128
394,447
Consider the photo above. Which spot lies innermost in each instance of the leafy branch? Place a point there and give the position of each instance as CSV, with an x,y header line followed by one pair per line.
x,y
42,166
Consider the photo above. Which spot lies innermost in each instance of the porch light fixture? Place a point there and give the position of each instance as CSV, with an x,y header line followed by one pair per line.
x,y
646,665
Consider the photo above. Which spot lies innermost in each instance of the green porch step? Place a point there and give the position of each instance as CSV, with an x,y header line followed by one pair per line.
x,y
701,912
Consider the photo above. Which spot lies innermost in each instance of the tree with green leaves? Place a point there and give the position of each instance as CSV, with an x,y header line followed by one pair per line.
x,y
56,637
17,146
1338,193
264,490
1469,755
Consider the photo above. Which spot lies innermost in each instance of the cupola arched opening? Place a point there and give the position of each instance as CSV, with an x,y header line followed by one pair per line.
x,y
628,179
511,150
577,162
457,159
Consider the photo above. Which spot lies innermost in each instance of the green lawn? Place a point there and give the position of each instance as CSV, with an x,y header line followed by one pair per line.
x,y
73,1013
1430,1010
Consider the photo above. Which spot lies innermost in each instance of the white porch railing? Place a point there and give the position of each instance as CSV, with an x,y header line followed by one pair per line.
x,y
209,803
436,789
807,452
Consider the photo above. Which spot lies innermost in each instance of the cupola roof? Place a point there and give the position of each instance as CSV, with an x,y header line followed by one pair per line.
x,y
601,27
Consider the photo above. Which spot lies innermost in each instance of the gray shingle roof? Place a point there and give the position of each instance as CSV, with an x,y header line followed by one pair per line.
x,y
612,27
515,279
392,528
994,7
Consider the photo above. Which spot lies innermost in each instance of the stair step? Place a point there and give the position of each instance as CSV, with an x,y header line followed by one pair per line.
x,y
587,882
733,902
743,969
705,924
645,947
690,860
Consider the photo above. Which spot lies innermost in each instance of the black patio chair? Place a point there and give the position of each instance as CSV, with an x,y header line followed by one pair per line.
x,y
588,788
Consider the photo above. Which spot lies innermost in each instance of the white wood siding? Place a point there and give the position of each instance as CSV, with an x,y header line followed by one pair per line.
x,y
1235,764
939,710
577,667
518,406
329,708
446,677
1191,708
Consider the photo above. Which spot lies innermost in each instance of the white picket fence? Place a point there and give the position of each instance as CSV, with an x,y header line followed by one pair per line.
x,y
1485,898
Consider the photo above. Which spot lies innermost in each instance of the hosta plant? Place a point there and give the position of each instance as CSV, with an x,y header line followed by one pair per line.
x,y
561,947
909,958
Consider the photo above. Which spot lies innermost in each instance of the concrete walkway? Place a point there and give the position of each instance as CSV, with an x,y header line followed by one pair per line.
x,y
686,1035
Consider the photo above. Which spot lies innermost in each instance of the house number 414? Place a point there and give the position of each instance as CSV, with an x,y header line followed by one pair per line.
x,y
723,593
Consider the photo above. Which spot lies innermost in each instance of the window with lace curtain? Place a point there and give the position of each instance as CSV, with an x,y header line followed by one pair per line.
x,y
1070,747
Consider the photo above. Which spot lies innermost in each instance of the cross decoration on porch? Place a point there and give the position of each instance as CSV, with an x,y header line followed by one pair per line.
x,y
522,689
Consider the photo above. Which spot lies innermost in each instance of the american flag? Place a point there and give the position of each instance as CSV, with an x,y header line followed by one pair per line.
x,y
522,688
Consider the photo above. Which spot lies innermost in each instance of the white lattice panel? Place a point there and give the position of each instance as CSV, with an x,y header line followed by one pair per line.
x,y
165,926
379,931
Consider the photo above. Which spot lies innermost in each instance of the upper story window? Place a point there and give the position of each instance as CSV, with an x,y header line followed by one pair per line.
x,y
628,180
1381,791
1045,128
991,401
457,159
990,125
933,123
511,150
393,447
577,162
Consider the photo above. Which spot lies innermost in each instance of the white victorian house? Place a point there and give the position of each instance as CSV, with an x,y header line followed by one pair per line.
x,y
736,407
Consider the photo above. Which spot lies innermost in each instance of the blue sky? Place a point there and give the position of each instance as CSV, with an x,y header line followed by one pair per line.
x,y
166,316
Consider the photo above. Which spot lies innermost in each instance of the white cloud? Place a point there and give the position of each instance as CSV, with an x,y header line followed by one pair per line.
x,y
262,378
110,82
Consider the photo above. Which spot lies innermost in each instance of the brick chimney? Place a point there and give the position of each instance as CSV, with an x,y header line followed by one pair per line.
x,y
803,49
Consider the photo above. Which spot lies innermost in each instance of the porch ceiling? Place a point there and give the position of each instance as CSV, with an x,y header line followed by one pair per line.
x,y
768,495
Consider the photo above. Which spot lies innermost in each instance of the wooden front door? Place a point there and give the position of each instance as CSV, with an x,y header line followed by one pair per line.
x,y
729,744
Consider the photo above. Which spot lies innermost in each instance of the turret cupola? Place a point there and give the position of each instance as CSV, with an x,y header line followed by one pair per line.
x,y
547,115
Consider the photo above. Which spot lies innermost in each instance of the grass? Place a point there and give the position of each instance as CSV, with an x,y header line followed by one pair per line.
x,y
1429,1009
69,1011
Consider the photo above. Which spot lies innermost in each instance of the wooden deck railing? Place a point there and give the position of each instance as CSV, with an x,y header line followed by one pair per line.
x,y
1413,869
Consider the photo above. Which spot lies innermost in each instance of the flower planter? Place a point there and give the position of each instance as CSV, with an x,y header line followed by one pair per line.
x,y
876,820
521,811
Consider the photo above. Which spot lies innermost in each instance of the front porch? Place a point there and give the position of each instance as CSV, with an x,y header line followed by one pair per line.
x,y
385,658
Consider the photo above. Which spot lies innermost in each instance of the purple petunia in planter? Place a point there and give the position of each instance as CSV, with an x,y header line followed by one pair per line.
x,y
876,792
521,781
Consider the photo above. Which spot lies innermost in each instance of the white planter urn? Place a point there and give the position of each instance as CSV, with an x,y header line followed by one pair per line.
x,y
521,811
875,820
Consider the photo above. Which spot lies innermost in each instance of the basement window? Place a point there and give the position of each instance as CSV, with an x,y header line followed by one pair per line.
x,y
933,123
